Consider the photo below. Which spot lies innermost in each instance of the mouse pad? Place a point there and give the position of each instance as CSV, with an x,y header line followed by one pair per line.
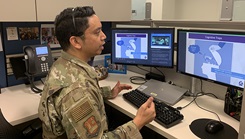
x,y
198,128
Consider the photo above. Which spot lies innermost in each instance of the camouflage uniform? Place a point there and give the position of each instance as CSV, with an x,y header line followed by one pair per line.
x,y
72,104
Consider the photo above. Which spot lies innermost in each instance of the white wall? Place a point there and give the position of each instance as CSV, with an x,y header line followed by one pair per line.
x,y
169,10
156,9
239,10
139,7
198,10
192,10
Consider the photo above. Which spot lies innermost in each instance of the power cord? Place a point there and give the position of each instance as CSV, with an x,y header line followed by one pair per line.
x,y
194,97
159,71
207,109
142,68
194,100
137,80
201,93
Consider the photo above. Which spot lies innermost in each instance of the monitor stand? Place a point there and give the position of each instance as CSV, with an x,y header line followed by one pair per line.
x,y
193,86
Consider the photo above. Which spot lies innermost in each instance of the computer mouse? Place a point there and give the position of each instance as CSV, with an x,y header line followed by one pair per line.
x,y
213,126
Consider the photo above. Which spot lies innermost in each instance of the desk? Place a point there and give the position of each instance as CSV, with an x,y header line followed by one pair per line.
x,y
192,112
19,104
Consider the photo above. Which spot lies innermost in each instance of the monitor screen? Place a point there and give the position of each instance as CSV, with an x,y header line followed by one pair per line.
x,y
216,56
143,46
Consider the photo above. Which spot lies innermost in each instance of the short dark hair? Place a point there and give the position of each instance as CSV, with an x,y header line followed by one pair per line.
x,y
71,22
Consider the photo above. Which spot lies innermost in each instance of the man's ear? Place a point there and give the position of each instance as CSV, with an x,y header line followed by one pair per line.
x,y
74,42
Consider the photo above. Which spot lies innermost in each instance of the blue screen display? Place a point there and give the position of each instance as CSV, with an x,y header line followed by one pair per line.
x,y
41,50
212,55
143,46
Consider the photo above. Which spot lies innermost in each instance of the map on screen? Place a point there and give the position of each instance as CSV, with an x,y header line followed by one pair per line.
x,y
132,45
215,57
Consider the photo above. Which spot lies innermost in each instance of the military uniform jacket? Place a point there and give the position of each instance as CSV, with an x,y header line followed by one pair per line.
x,y
72,104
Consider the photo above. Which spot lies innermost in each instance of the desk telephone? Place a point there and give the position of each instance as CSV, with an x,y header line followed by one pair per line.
x,y
38,60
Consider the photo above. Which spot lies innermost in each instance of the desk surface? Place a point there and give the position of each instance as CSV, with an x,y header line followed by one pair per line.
x,y
190,113
19,104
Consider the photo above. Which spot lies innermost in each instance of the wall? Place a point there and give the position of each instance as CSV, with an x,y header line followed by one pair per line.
x,y
2,62
14,48
168,9
193,10
239,10
198,10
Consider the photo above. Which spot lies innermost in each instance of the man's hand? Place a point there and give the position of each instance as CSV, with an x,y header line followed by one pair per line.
x,y
145,114
118,88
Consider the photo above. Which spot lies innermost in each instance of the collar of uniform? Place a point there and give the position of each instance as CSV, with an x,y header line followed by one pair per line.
x,y
79,62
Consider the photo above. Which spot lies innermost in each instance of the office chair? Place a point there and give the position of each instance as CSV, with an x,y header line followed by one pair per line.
x,y
7,131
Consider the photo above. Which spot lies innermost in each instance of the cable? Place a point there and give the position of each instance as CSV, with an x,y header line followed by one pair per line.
x,y
201,93
159,71
143,69
137,80
194,97
206,93
32,85
207,109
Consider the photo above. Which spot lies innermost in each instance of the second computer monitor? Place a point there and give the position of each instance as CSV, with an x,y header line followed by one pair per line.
x,y
212,55
143,46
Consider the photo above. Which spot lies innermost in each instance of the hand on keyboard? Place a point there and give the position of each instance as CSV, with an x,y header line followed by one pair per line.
x,y
145,114
166,115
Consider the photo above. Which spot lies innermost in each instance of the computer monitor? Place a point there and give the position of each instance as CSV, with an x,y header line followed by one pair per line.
x,y
143,46
216,56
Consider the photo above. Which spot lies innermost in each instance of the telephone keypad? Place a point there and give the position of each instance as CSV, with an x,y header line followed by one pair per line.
x,y
44,67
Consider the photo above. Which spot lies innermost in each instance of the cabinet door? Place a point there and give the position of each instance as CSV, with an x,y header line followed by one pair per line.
x,y
17,10
107,10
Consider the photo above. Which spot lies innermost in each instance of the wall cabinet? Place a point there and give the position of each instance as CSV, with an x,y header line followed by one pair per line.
x,y
46,10
17,10
107,10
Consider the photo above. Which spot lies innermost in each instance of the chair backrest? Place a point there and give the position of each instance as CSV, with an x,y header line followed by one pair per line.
x,y
7,131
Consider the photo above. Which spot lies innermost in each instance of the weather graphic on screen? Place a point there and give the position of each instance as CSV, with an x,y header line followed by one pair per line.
x,y
131,45
216,58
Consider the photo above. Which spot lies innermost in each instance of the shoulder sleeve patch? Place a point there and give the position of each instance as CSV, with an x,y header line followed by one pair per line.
x,y
82,111
92,126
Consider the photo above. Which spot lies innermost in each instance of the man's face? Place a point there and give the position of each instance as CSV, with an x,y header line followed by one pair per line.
x,y
94,38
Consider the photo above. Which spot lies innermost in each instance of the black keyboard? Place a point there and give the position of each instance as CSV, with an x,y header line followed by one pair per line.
x,y
166,115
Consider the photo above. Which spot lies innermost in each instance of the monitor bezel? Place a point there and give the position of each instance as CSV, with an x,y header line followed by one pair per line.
x,y
132,29
205,31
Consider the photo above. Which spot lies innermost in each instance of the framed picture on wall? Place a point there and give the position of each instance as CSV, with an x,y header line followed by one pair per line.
x,y
114,68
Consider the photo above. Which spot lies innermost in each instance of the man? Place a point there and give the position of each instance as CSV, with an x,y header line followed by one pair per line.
x,y
72,104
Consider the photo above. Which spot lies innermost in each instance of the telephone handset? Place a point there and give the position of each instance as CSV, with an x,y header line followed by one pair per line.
x,y
38,59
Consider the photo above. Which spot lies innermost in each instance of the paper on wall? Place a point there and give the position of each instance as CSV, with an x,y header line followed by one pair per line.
x,y
12,33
